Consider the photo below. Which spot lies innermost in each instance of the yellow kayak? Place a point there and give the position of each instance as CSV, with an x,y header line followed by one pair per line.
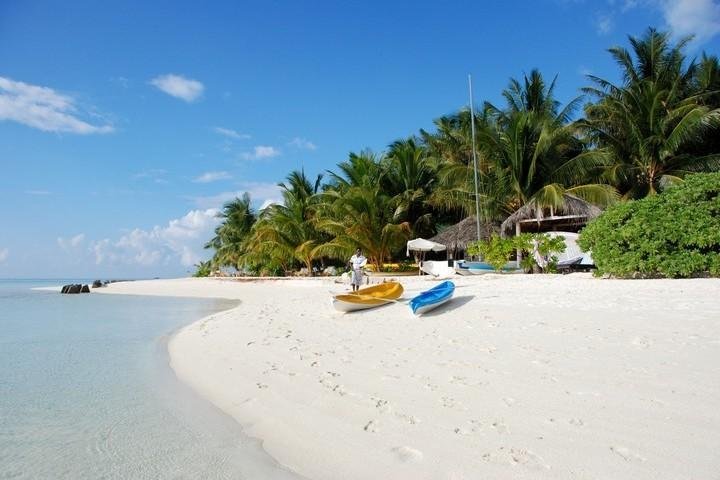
x,y
369,297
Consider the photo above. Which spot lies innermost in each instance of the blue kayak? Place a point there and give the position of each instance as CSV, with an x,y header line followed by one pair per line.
x,y
432,298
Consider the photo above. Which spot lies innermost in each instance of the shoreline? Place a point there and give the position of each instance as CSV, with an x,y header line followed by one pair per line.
x,y
263,463
512,375
91,392
216,420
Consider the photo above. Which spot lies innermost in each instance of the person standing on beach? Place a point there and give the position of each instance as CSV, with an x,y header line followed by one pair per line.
x,y
357,262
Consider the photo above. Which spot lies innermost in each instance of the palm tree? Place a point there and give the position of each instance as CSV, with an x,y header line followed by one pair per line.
x,y
361,217
528,153
286,232
364,206
535,153
410,176
707,81
532,95
360,169
238,219
652,129
450,146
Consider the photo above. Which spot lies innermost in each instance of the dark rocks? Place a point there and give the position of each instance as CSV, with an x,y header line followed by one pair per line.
x,y
81,288
75,288
105,283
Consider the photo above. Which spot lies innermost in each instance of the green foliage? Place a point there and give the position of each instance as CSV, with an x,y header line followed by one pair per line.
x,y
286,234
674,234
237,220
361,217
272,270
411,176
528,151
203,269
660,123
496,250
547,246
406,266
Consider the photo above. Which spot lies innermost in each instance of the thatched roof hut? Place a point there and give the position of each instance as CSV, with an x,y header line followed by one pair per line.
x,y
573,214
457,237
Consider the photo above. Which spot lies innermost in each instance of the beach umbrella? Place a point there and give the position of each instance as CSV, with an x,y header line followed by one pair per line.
x,y
422,245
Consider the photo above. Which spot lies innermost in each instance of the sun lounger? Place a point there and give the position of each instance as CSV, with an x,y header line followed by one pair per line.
x,y
574,264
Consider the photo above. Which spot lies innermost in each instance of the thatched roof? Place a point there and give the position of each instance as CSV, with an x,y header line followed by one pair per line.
x,y
456,237
575,211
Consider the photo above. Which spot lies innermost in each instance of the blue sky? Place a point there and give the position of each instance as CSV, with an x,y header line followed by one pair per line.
x,y
124,125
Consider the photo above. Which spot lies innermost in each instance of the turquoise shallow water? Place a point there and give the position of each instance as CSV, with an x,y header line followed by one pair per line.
x,y
86,392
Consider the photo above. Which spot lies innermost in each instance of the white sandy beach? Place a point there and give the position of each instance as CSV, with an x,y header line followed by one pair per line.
x,y
520,376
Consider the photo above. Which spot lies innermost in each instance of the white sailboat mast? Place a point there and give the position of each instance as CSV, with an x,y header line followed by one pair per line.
x,y
475,168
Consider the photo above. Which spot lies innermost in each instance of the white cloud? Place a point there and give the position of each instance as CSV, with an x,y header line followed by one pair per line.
x,y
700,18
629,5
261,193
4,252
208,177
43,108
260,152
38,192
73,242
230,133
179,86
302,144
604,24
180,241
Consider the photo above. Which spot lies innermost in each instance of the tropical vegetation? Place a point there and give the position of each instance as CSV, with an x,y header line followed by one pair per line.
x,y
496,251
616,142
674,234
659,124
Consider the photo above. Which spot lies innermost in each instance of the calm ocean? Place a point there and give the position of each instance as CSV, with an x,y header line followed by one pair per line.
x,y
86,392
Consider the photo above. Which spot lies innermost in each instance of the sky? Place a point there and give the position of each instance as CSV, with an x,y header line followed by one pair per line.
x,y
125,125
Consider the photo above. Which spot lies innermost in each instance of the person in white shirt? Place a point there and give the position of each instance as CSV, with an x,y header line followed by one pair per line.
x,y
357,262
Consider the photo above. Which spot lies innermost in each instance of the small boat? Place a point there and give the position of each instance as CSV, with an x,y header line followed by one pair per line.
x,y
432,298
369,297
479,268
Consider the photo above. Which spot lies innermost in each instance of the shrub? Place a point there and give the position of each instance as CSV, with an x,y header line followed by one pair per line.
x,y
673,234
203,269
546,245
496,251
399,267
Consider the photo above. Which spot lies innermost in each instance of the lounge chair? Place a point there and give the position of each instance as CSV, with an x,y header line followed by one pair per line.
x,y
573,259
574,264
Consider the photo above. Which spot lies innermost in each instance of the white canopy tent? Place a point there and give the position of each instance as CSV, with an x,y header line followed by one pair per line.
x,y
422,245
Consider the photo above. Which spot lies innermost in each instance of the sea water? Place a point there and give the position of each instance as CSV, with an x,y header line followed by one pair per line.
x,y
86,392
